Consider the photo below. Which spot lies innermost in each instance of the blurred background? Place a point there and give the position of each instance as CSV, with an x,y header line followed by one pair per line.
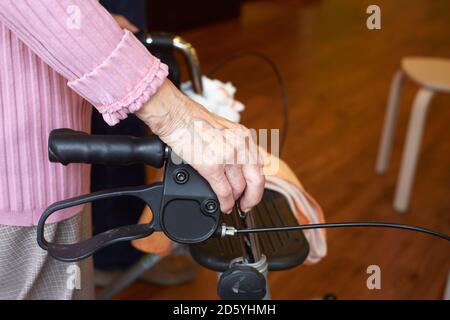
x,y
338,75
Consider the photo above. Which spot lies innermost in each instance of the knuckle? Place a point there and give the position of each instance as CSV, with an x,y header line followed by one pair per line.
x,y
239,187
212,171
223,191
258,180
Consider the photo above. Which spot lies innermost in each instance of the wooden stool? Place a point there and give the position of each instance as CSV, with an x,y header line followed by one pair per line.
x,y
433,74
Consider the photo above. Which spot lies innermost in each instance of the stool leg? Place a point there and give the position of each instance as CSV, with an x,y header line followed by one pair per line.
x,y
390,120
412,146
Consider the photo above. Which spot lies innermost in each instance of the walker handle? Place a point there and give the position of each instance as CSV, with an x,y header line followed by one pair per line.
x,y
68,146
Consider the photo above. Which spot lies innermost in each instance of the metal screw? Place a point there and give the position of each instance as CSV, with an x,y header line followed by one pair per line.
x,y
181,176
210,206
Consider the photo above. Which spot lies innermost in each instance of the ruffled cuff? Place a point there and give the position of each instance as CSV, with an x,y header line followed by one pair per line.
x,y
123,82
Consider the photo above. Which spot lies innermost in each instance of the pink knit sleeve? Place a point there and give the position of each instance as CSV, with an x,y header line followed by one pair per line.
x,y
106,65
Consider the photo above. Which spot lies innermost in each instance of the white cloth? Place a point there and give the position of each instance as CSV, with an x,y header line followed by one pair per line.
x,y
301,205
218,97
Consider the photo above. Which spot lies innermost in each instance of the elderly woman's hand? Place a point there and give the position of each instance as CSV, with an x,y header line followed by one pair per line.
x,y
223,152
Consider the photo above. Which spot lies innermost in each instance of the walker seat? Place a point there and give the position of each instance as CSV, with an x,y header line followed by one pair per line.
x,y
283,250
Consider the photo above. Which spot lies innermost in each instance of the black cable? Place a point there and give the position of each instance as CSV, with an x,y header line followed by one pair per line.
x,y
285,106
348,225
281,85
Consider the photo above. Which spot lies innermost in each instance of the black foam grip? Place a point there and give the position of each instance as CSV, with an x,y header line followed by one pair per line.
x,y
68,146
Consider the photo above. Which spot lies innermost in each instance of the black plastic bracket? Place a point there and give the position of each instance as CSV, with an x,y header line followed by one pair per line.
x,y
178,211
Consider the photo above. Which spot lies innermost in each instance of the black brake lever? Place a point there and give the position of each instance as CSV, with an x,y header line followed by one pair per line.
x,y
184,207
73,252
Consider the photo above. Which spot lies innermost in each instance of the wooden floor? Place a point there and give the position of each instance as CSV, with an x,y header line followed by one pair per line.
x,y
338,75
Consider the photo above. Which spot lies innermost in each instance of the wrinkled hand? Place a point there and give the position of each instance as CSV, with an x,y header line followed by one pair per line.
x,y
223,152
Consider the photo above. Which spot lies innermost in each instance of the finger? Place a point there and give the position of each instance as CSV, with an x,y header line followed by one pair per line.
x,y
236,178
254,189
221,187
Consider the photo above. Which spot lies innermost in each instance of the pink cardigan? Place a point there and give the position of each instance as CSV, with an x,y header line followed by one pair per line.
x,y
56,58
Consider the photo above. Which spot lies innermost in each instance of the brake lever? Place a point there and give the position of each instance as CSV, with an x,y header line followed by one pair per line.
x,y
184,207
77,251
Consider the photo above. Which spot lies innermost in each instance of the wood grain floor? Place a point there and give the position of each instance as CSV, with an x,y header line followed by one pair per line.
x,y
338,75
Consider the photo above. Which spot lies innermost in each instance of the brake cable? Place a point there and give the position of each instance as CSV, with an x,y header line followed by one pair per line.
x,y
227,230
231,231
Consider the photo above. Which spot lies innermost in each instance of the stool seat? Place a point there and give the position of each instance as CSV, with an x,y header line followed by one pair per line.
x,y
284,250
433,73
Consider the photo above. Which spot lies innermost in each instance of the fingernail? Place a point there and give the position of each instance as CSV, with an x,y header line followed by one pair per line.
x,y
229,211
246,210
